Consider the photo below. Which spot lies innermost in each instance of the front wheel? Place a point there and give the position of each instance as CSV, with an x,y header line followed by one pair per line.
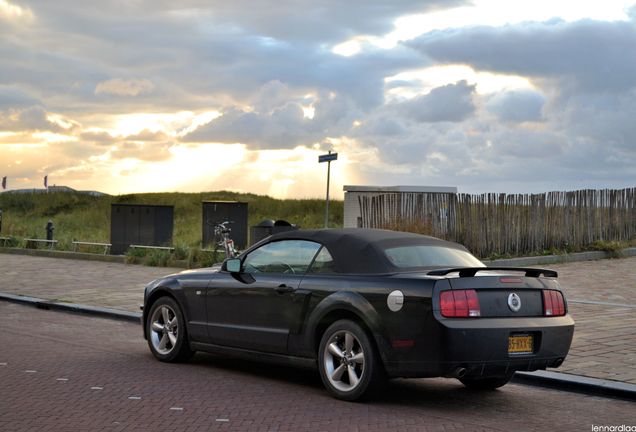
x,y
166,330
490,383
348,361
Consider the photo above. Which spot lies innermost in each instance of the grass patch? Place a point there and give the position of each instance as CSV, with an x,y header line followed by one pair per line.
x,y
86,218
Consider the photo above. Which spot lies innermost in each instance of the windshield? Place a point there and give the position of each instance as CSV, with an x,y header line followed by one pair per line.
x,y
430,256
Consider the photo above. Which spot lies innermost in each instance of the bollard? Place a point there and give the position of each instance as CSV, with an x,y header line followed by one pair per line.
x,y
49,230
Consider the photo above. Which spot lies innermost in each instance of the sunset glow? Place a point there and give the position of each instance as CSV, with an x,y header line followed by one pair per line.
x,y
486,95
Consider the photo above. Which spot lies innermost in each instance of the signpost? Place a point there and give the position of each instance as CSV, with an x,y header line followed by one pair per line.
x,y
327,158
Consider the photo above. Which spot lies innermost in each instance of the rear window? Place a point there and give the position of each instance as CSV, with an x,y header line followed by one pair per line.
x,y
430,256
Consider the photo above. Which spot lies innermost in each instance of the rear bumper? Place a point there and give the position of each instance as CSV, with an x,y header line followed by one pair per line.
x,y
480,347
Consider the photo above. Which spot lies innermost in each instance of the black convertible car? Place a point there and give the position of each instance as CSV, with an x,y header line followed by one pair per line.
x,y
364,305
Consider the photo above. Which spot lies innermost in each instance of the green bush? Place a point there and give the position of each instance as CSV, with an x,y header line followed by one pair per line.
x,y
135,255
198,258
180,252
158,258
12,242
608,246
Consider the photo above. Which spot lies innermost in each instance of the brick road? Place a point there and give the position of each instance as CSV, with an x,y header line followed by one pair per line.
x,y
62,372
604,340
604,343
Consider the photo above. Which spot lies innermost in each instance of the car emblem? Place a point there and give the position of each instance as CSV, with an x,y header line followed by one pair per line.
x,y
514,302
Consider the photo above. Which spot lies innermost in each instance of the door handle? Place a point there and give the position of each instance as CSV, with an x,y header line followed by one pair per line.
x,y
282,288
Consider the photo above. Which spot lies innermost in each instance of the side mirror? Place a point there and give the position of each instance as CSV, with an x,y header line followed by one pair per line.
x,y
233,265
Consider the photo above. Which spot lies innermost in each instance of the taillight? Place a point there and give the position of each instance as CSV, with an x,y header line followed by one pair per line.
x,y
459,304
553,303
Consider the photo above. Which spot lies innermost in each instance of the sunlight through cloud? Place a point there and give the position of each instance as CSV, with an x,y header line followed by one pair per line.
x,y
488,13
437,76
10,11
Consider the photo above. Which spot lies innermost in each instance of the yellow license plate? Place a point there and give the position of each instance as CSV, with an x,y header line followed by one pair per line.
x,y
520,344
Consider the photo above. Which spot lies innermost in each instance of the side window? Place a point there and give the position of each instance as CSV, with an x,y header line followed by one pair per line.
x,y
323,262
285,256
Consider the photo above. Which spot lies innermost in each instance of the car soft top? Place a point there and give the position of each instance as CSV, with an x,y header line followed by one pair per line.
x,y
361,250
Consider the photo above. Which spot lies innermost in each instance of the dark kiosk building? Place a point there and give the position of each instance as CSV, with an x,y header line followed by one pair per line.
x,y
140,224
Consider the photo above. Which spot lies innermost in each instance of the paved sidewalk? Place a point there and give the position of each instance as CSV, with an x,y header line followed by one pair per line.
x,y
91,283
602,297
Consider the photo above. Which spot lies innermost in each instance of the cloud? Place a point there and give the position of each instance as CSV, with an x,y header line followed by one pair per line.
x,y
149,152
32,118
604,119
276,119
384,126
11,13
113,67
14,97
304,20
517,106
224,63
511,143
283,127
586,54
97,137
451,103
147,136
121,87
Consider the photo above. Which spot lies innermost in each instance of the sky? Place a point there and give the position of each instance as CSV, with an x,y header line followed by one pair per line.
x,y
126,96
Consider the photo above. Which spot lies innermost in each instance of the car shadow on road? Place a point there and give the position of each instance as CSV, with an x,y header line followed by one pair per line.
x,y
260,369
439,393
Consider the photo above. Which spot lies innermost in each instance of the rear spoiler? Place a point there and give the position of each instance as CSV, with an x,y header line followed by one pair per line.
x,y
472,271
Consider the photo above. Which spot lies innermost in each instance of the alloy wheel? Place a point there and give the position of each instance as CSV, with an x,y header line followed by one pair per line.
x,y
164,329
344,361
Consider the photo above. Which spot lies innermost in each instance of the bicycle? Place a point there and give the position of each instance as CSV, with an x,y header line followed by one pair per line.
x,y
222,231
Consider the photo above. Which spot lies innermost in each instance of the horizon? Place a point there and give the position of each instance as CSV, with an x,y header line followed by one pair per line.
x,y
226,191
486,96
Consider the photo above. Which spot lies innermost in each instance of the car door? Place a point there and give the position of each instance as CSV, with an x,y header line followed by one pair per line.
x,y
256,308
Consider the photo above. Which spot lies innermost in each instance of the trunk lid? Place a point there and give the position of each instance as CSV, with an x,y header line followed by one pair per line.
x,y
506,293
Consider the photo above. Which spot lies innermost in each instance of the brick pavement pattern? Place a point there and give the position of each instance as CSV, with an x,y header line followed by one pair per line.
x,y
604,343
62,372
94,283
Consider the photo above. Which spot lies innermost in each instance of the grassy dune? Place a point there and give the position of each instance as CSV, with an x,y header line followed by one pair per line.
x,y
87,218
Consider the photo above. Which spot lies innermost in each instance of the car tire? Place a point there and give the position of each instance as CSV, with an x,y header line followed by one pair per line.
x,y
490,383
167,333
348,361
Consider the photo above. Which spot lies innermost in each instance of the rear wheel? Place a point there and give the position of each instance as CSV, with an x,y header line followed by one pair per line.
x,y
166,330
348,361
489,383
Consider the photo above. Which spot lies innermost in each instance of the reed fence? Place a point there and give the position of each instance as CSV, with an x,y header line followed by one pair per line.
x,y
509,223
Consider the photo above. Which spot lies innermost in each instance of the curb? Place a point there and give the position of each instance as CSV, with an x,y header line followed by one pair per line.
x,y
117,259
74,308
548,379
577,384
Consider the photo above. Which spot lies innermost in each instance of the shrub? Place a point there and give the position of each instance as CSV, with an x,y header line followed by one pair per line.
x,y
180,252
158,258
199,258
135,255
